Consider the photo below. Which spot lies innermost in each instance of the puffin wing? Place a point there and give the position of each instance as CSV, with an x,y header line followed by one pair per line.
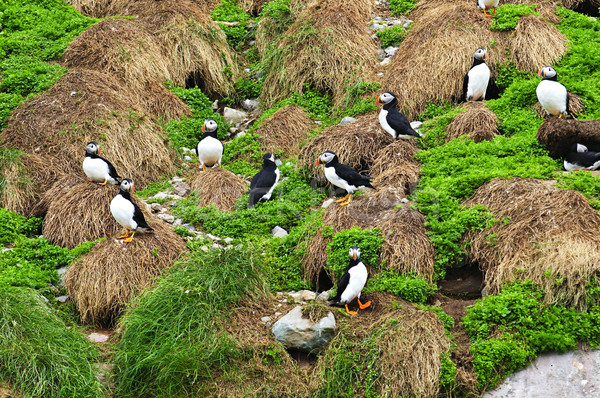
x,y
111,169
465,86
400,123
263,179
342,285
350,175
138,217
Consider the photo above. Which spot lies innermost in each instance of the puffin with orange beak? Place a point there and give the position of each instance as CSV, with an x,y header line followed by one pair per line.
x,y
552,95
477,78
127,213
209,149
352,283
391,120
342,176
98,169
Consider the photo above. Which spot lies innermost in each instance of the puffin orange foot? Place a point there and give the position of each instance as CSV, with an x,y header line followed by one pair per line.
x,y
124,236
130,238
350,312
102,183
365,305
347,201
342,199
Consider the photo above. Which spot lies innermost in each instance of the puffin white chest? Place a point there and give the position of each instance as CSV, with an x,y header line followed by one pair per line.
x,y
487,4
479,76
123,210
210,151
267,196
358,279
336,180
95,169
384,123
553,97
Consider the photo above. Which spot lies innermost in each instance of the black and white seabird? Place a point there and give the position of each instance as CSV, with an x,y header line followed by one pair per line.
x,y
486,5
127,213
391,119
342,176
552,95
475,82
209,149
579,158
352,283
263,183
98,169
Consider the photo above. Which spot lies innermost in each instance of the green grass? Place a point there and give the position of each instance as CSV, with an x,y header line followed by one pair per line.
x,y
392,36
14,226
402,7
508,15
230,11
39,355
175,336
410,287
369,242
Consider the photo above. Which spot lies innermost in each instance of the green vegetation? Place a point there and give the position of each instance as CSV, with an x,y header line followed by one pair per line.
x,y
13,226
369,242
507,73
176,335
392,36
279,12
581,181
507,15
230,11
402,7
39,355
509,329
410,287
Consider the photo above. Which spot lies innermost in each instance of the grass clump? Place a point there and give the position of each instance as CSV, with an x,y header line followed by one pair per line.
x,y
507,15
402,7
14,226
410,287
39,355
175,337
582,181
392,36
230,11
506,335
369,242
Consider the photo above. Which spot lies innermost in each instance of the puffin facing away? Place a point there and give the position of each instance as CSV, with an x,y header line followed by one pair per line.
x,y
552,95
209,149
486,5
579,158
127,213
342,176
393,121
352,283
477,78
98,169
263,183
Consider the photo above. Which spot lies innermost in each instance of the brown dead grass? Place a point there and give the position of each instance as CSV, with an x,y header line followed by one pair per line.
x,y
54,127
86,205
443,39
285,130
575,106
395,155
557,135
103,281
91,8
477,121
328,47
218,186
356,144
253,7
268,30
550,238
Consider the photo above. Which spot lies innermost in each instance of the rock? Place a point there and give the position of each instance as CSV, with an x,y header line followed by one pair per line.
x,y
228,240
204,248
416,125
390,51
385,62
327,203
250,104
176,179
215,105
376,26
234,116
98,337
404,200
294,331
380,54
233,130
61,271
279,232
182,188
189,227
168,218
162,196
210,236
377,19
240,134
178,222
347,120
62,299
187,158
265,318
251,43
323,296
303,295
156,207
380,74
278,163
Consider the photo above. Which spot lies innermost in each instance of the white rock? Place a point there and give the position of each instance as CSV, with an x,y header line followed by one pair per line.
x,y
347,120
416,125
168,218
303,295
378,19
181,188
62,299
234,116
380,74
390,51
265,318
210,236
228,240
250,104
404,200
381,54
385,62
327,203
376,26
279,232
162,196
98,337
215,105
156,207
278,163
187,158
295,331
323,296
204,248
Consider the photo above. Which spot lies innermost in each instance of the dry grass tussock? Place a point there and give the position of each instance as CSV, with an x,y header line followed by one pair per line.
x,y
477,121
557,135
443,39
356,144
91,8
285,130
83,106
253,7
103,281
548,236
134,57
409,343
86,205
192,43
269,30
328,47
218,186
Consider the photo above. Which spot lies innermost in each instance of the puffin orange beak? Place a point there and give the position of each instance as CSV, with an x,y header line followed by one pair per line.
x,y
354,256
540,73
487,56
98,151
377,101
202,129
318,161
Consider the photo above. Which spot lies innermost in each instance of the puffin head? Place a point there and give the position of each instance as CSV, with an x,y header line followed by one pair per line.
x,y
547,72
209,126
354,253
93,148
578,148
481,54
325,158
127,185
269,156
385,98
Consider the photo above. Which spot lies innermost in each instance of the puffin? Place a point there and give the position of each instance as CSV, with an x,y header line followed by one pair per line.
x,y
209,149
127,213
263,183
391,119
342,176
352,283
98,169
552,95
486,5
476,80
579,158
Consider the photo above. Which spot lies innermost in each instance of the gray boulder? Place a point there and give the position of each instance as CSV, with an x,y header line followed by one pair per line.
x,y
233,116
297,332
181,188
